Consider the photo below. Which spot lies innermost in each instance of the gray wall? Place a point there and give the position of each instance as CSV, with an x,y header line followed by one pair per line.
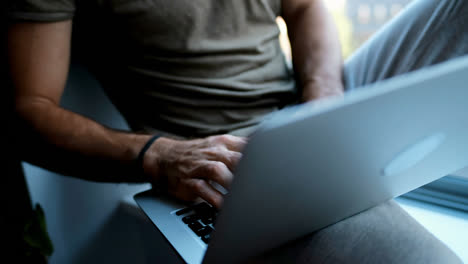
x,y
94,222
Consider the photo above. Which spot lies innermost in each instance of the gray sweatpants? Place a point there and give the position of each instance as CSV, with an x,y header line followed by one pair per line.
x,y
425,33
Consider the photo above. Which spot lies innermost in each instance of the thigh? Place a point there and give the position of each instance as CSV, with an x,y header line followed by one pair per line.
x,y
383,234
425,33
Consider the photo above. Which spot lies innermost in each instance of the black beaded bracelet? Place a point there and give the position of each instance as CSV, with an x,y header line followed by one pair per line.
x,y
139,160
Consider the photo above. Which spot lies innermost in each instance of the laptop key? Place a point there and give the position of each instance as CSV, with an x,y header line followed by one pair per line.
x,y
205,210
206,238
196,227
204,231
207,221
183,211
190,219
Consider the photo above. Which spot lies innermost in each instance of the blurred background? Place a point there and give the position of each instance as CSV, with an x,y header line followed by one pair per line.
x,y
356,20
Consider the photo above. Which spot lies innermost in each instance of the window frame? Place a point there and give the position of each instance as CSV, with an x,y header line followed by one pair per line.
x,y
450,191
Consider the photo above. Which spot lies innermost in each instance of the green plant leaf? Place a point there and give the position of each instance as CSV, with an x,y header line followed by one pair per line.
x,y
35,233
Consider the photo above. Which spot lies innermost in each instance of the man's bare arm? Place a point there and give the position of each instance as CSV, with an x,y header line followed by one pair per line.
x,y
49,135
63,141
316,49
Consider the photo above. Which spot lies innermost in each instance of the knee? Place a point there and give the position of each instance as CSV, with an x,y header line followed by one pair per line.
x,y
384,234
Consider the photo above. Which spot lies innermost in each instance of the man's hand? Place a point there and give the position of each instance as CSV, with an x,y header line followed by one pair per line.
x,y
187,167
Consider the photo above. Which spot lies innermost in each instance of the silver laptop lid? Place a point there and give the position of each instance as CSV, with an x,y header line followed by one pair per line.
x,y
326,163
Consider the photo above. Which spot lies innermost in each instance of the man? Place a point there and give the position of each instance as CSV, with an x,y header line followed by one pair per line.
x,y
201,74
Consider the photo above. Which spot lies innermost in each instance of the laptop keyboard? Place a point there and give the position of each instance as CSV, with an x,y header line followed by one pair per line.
x,y
200,219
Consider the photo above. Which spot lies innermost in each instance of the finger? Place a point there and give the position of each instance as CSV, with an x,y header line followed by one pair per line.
x,y
228,157
231,159
216,171
232,142
207,192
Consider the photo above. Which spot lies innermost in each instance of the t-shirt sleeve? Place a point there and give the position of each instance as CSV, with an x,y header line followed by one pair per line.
x,y
40,10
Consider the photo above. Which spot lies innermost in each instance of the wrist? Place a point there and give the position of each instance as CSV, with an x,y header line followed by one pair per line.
x,y
321,88
147,158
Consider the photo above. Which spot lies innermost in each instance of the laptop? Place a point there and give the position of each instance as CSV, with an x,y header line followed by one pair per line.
x,y
315,164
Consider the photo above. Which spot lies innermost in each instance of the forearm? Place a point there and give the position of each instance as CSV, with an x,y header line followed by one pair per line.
x,y
74,145
316,49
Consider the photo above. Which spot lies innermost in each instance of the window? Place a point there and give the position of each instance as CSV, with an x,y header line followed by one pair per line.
x,y
380,13
450,191
395,9
364,14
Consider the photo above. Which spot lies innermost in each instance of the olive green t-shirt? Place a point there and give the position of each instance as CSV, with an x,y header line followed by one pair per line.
x,y
185,67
